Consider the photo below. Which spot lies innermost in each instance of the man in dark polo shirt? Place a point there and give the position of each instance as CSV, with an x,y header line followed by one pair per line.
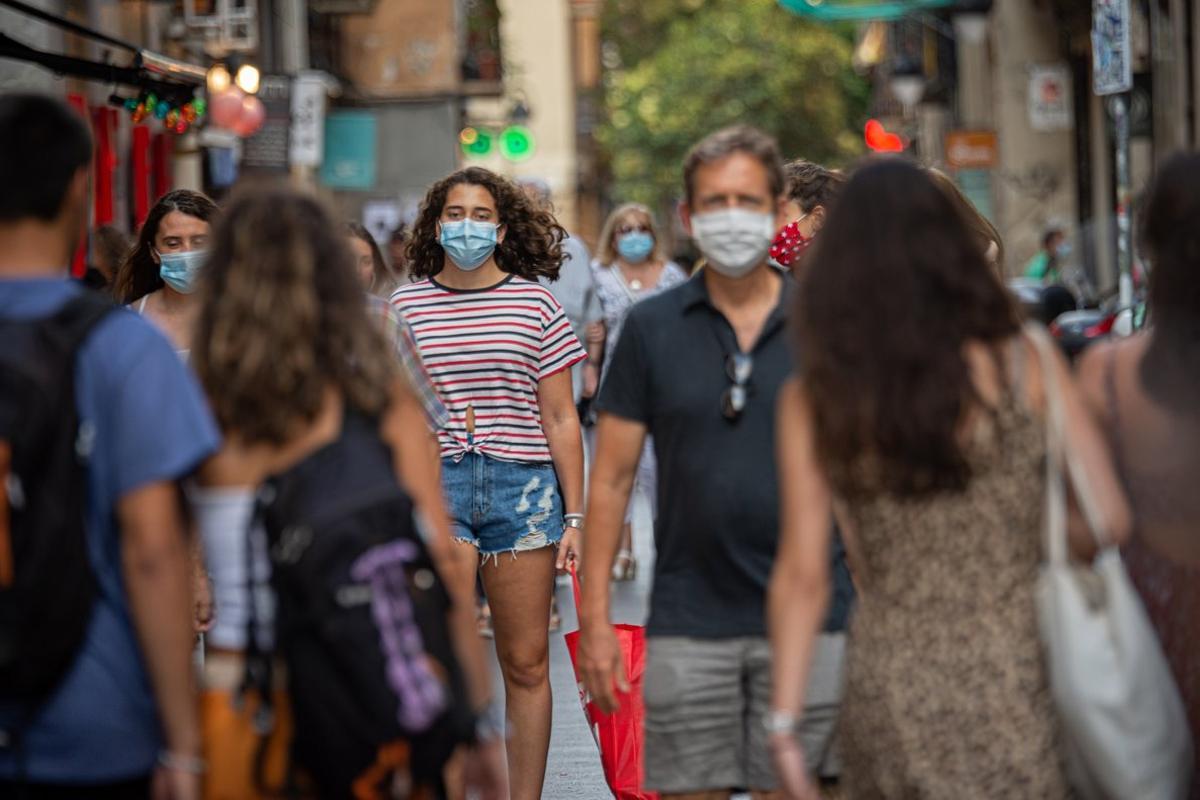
x,y
698,367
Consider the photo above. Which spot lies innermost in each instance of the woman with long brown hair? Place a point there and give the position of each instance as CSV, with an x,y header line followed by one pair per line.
x,y
288,356
631,265
918,417
158,277
1145,392
373,271
500,348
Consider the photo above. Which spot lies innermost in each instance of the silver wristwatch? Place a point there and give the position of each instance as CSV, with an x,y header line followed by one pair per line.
x,y
775,722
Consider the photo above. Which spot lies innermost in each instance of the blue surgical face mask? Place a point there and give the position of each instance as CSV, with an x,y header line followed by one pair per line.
x,y
1063,250
179,270
468,243
635,246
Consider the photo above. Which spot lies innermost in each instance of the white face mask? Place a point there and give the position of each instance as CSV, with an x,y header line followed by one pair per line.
x,y
734,240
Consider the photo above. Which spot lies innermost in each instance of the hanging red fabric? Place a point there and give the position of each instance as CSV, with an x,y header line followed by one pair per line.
x,y
103,122
140,168
79,260
618,735
160,160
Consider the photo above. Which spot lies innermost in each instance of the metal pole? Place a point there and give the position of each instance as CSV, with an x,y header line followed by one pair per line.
x,y
1118,107
292,42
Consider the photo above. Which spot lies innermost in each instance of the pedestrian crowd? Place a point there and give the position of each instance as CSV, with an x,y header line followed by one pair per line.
x,y
259,477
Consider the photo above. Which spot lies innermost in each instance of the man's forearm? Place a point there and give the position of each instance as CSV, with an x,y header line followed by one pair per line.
x,y
606,515
157,579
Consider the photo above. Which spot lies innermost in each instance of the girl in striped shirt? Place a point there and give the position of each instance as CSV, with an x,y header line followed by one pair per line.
x,y
499,350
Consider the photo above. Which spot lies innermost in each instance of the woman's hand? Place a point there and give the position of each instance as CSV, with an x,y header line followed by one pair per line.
x,y
591,379
202,598
568,550
486,775
788,757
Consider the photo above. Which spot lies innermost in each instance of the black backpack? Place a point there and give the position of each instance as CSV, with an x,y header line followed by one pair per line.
x,y
360,624
46,583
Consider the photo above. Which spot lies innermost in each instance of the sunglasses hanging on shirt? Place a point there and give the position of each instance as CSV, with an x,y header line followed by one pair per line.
x,y
738,367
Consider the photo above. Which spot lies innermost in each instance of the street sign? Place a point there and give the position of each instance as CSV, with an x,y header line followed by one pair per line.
x,y
350,147
307,144
268,148
1112,49
862,10
971,150
1050,98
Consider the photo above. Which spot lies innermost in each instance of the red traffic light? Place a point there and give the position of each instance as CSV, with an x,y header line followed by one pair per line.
x,y
879,139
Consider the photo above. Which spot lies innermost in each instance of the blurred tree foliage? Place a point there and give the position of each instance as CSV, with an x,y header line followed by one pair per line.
x,y
679,69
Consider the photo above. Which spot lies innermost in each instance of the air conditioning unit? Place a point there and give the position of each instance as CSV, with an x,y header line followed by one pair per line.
x,y
224,27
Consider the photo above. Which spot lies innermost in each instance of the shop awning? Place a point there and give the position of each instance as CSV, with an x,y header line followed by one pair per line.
x,y
146,69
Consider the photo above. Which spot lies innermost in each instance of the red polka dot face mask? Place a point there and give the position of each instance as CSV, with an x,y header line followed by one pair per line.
x,y
790,244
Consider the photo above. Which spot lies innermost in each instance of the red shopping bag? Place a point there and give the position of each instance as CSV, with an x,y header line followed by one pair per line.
x,y
618,735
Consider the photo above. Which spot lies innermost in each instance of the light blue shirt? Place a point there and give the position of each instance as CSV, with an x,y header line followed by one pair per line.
x,y
152,424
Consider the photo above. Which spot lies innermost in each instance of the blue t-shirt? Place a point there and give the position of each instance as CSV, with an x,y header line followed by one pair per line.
x,y
152,424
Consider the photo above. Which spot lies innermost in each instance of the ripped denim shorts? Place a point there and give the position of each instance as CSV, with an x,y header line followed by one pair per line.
x,y
502,506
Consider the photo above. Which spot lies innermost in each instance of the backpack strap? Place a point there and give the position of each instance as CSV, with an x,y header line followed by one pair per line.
x,y
72,323
258,677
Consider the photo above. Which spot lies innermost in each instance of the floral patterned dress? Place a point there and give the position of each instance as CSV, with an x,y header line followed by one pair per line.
x,y
946,692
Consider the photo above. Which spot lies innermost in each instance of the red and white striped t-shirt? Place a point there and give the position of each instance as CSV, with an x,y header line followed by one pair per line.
x,y
487,349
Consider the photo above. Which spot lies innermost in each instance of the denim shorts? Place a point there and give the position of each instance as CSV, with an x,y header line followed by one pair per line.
x,y
502,506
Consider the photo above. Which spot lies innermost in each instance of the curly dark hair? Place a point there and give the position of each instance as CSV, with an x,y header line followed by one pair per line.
x,y
1170,234
896,286
279,324
138,274
811,185
532,246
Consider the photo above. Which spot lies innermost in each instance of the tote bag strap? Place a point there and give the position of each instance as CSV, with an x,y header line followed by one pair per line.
x,y
1060,459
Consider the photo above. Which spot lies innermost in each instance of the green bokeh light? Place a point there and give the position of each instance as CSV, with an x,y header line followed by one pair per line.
x,y
516,143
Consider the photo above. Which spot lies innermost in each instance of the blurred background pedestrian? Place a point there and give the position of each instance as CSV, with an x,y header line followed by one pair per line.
x,y
811,193
1046,264
376,277
373,272
397,253
109,248
158,276
575,291
631,265
1145,392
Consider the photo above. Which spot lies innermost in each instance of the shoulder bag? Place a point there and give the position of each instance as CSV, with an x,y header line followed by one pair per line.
x,y
1123,723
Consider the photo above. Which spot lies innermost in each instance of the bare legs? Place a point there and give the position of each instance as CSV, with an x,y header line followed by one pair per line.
x,y
519,591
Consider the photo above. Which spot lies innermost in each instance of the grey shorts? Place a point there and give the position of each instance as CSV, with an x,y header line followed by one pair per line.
x,y
705,700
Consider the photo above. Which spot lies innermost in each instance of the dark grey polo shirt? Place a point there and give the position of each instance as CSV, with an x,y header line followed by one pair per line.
x,y
718,504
